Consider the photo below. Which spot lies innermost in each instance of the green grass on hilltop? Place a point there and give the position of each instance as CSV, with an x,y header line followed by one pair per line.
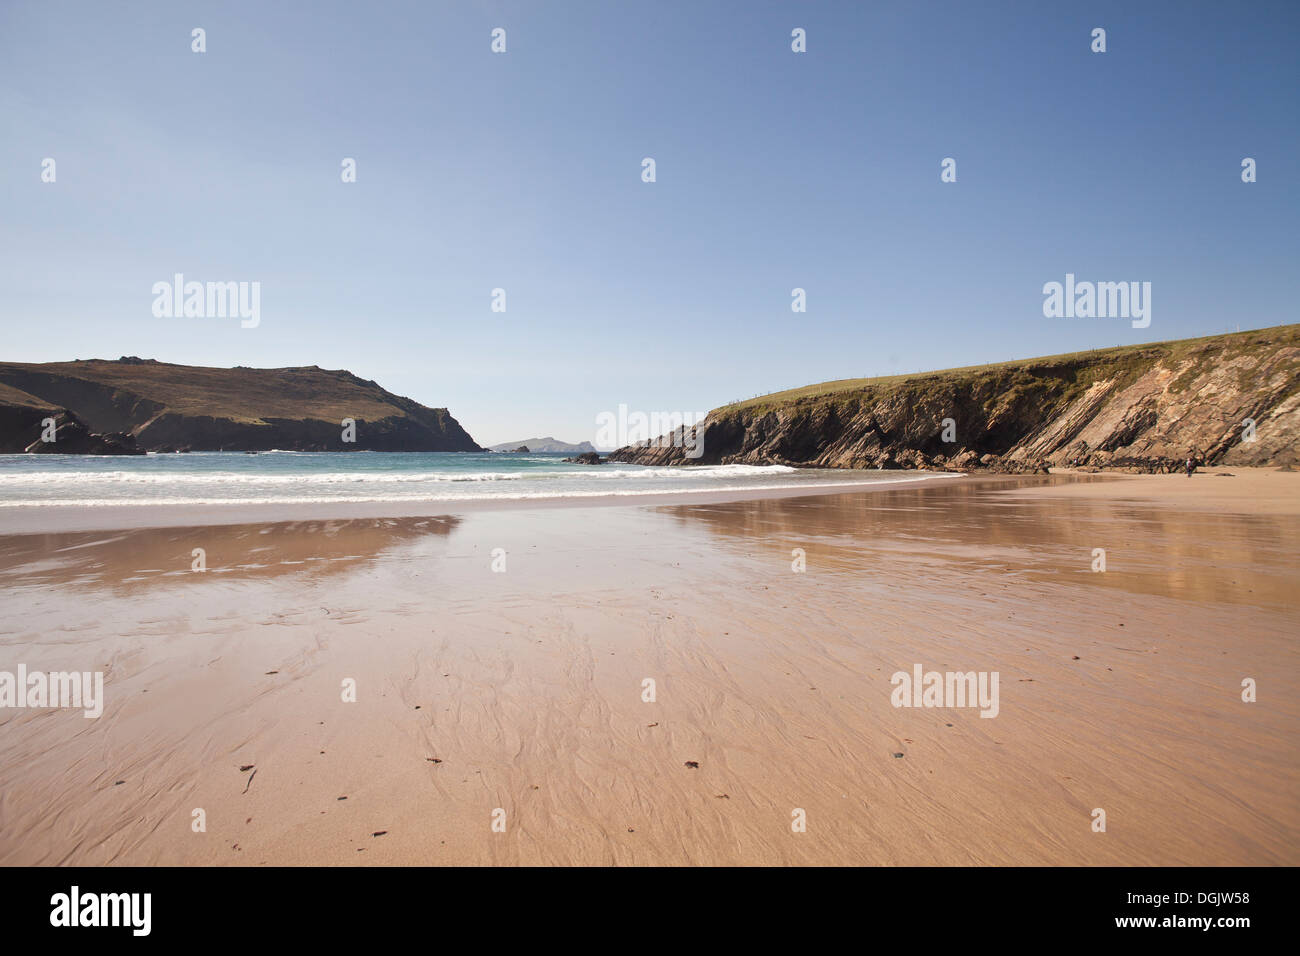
x,y
241,394
1092,366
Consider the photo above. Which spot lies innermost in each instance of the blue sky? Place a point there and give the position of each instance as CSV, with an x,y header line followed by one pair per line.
x,y
522,171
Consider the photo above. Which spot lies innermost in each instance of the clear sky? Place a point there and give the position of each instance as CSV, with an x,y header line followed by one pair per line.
x,y
522,171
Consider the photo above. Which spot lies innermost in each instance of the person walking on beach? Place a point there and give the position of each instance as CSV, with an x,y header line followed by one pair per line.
x,y
1191,467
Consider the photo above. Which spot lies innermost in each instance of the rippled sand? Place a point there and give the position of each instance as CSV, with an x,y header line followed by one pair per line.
x,y
523,691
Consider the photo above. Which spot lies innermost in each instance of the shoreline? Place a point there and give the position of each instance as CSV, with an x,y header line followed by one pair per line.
x,y
53,518
1277,493
522,692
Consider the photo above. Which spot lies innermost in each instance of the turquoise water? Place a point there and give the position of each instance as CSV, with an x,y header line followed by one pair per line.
x,y
302,477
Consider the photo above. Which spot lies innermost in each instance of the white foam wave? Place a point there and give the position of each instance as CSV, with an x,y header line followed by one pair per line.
x,y
602,473
450,497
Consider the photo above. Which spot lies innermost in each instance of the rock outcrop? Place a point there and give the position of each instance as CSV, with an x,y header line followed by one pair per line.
x,y
546,445
1229,399
156,406
70,436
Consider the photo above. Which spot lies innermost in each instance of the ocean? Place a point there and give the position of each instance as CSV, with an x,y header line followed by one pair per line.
x,y
212,478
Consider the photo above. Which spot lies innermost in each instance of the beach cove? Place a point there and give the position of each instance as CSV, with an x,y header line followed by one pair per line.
x,y
517,696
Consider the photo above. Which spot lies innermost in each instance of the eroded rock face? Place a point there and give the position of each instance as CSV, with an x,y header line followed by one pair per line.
x,y
1144,408
71,437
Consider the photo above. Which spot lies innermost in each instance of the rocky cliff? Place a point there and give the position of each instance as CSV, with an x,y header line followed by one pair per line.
x,y
129,405
1141,407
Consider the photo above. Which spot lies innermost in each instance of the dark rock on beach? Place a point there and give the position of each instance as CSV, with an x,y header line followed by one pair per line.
x,y
72,437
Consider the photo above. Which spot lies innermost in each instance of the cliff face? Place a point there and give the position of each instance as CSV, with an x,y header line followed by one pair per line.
x,y
1139,407
142,404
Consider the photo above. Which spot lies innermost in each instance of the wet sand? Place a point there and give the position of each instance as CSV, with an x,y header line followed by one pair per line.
x,y
522,691
47,518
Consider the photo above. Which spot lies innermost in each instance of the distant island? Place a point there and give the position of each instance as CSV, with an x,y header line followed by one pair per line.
x,y
547,445
134,405
1225,399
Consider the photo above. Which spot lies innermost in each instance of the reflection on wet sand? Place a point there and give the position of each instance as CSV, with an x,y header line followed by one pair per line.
x,y
133,560
523,689
978,525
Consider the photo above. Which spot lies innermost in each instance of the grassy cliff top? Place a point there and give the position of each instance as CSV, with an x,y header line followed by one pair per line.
x,y
14,396
241,394
1118,360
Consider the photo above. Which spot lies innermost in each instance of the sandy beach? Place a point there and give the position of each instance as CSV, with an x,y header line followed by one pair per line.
x,y
517,695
